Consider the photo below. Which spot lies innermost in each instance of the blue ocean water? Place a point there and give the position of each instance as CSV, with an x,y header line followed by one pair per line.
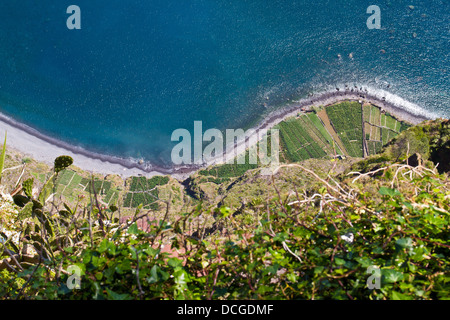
x,y
139,69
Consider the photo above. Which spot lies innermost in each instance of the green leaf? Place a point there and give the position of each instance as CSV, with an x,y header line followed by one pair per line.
x,y
46,191
133,229
408,205
153,275
225,212
175,263
26,211
27,187
116,296
389,192
68,249
282,236
151,252
403,243
181,278
292,277
124,267
318,270
400,296
103,246
273,269
20,200
365,262
391,275
68,209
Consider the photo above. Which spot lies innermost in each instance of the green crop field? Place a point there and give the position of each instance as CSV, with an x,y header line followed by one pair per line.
x,y
387,121
75,183
142,191
67,183
387,135
318,133
127,200
134,199
366,110
144,184
374,147
298,143
380,126
224,172
391,123
346,118
64,177
39,176
372,115
319,125
373,133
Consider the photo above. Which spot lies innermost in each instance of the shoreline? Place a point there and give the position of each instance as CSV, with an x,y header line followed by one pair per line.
x,y
45,148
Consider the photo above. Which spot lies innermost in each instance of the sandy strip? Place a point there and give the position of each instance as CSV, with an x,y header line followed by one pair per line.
x,y
43,148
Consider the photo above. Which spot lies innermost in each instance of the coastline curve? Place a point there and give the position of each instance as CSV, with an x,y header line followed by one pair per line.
x,y
30,141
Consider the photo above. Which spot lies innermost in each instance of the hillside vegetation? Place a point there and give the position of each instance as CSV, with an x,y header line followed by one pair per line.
x,y
372,228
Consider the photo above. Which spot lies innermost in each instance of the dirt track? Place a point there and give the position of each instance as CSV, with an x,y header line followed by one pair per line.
x,y
324,117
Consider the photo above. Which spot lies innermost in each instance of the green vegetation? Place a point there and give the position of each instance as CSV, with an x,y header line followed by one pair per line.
x,y
346,119
319,126
306,137
380,128
297,143
62,162
2,158
112,196
143,192
223,173
311,231
144,184
295,240
374,147
387,135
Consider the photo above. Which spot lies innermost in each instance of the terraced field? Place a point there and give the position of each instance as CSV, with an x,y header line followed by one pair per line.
x,y
225,172
322,114
144,191
346,119
297,139
380,128
70,185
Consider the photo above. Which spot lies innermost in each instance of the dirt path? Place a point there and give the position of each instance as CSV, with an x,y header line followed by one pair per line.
x,y
324,117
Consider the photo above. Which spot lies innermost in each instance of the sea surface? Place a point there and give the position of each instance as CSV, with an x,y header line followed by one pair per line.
x,y
139,69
